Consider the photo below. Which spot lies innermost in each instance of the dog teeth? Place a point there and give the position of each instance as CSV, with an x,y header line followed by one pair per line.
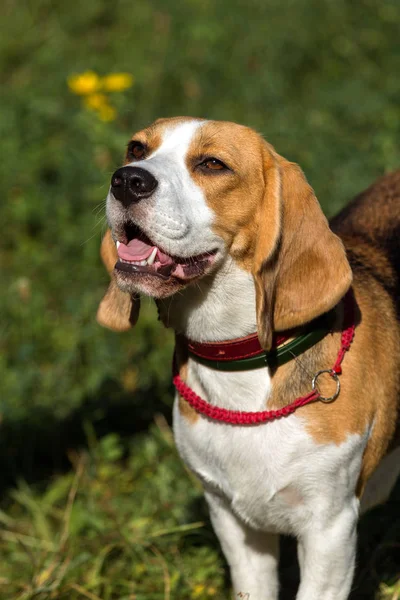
x,y
152,257
140,263
117,243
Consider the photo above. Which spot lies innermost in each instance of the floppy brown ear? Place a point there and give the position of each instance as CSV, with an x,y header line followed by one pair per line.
x,y
117,310
300,265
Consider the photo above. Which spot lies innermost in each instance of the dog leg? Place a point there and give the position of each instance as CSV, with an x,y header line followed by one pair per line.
x,y
252,555
300,557
327,555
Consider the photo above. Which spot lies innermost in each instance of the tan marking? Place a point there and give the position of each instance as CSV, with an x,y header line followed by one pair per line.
x,y
108,252
273,227
369,228
151,137
234,197
369,383
181,357
117,310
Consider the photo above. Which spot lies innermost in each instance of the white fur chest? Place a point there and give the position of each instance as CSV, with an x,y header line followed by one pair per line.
x,y
270,474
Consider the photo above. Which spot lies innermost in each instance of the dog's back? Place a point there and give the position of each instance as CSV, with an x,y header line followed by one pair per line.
x,y
370,229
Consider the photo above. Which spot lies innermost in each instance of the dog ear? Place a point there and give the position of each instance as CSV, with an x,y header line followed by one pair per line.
x,y
300,266
118,310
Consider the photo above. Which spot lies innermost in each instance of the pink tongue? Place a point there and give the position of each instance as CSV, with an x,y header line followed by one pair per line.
x,y
138,250
135,250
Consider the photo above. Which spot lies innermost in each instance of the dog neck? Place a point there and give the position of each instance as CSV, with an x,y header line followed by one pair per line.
x,y
216,308
222,307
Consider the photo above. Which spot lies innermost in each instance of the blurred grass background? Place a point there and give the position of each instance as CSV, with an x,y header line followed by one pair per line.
x,y
95,503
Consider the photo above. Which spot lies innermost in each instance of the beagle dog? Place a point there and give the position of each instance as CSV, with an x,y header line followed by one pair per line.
x,y
229,239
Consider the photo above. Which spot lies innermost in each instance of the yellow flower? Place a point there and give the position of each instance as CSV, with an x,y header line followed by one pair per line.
x,y
117,82
198,590
107,113
91,87
99,103
96,101
85,83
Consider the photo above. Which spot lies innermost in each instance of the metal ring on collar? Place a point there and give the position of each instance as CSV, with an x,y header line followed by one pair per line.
x,y
334,376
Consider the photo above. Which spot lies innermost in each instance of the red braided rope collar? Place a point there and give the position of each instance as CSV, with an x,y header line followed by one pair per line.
x,y
237,417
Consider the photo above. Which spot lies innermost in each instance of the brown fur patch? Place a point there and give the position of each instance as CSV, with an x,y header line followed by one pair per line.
x,y
370,382
234,196
273,226
117,310
150,137
108,252
370,228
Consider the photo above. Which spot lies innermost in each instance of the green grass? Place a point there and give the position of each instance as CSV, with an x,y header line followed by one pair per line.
x,y
121,519
128,522
112,527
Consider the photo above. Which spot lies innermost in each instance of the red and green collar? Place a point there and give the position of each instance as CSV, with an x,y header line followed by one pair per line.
x,y
246,353
248,345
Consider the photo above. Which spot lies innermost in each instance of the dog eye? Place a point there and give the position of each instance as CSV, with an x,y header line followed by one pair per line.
x,y
136,150
213,164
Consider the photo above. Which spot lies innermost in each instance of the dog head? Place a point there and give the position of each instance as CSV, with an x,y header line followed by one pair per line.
x,y
191,193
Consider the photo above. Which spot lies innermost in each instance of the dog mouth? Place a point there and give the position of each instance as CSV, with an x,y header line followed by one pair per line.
x,y
138,255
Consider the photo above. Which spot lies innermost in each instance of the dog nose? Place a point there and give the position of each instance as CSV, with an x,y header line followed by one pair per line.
x,y
132,184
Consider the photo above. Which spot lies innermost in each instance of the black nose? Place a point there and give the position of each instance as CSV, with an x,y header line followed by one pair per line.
x,y
131,184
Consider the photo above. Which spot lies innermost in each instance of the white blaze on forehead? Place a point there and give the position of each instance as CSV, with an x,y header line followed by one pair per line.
x,y
180,219
177,139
